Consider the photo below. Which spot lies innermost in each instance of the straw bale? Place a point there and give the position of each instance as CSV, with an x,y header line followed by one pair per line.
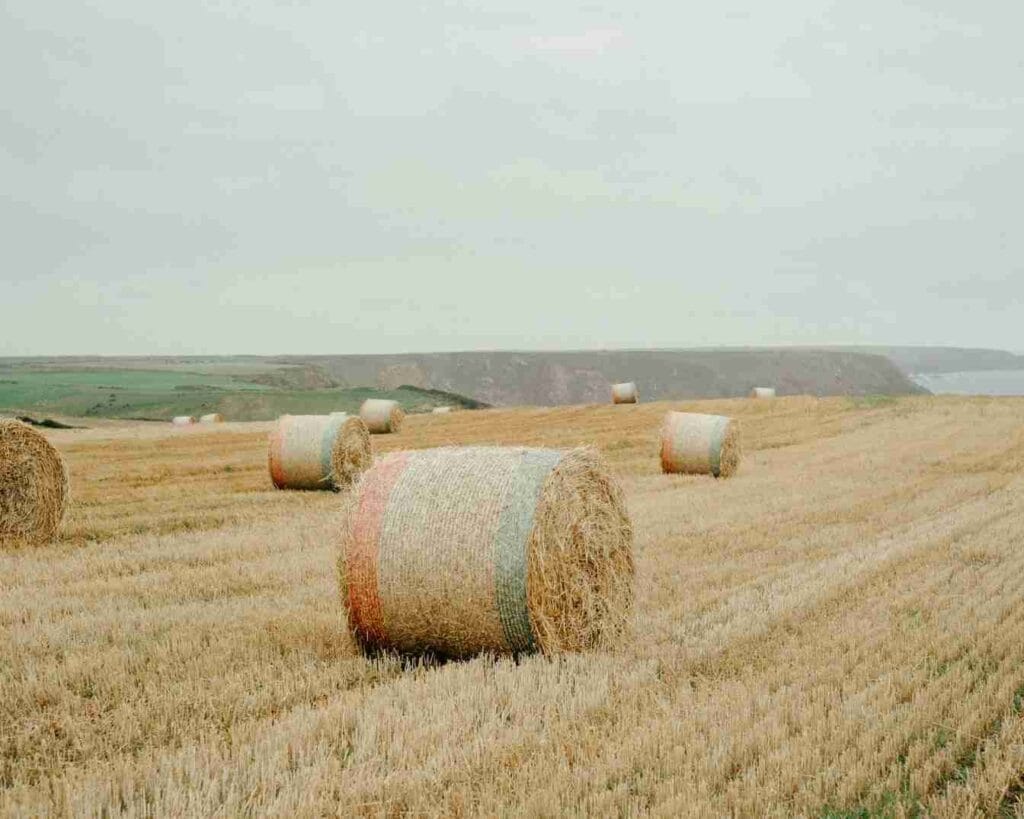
x,y
626,393
318,451
697,444
458,551
33,486
211,418
183,420
382,416
762,392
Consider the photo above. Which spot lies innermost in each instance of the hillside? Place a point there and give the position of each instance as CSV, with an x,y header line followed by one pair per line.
x,y
159,394
255,388
549,379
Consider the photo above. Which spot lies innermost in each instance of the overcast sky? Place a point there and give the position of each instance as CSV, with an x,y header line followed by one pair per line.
x,y
324,177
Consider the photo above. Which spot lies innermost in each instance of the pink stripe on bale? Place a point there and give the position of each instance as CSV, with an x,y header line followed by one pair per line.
x,y
276,456
363,555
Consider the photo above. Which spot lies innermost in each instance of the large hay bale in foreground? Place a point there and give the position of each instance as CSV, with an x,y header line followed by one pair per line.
x,y
318,451
382,416
183,420
211,418
625,393
33,486
458,551
762,392
697,444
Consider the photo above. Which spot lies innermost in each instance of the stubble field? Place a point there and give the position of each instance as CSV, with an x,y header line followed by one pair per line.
x,y
837,631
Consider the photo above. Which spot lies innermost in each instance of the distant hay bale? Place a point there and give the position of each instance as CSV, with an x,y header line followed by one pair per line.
x,y
33,486
441,410
211,418
626,393
183,420
382,416
458,551
696,444
318,451
762,392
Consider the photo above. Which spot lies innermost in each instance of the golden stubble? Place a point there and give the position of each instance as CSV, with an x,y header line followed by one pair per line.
x,y
840,625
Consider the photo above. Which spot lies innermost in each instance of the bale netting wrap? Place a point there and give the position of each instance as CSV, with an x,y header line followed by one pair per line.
x,y
625,393
211,418
33,486
183,420
697,444
318,451
382,416
762,392
459,551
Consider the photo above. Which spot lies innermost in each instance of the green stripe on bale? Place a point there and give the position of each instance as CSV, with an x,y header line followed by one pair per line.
x,y
327,443
510,555
715,449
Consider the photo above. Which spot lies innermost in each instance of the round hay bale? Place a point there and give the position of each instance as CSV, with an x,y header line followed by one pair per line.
x,y
458,551
183,420
762,392
211,418
382,416
697,444
441,410
318,451
625,393
33,486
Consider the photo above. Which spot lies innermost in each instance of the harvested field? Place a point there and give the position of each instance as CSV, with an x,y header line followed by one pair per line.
x,y
838,627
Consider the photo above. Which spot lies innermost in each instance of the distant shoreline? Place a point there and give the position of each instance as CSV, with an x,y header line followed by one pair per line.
x,y
995,383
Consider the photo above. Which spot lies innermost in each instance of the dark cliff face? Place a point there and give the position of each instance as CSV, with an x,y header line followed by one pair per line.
x,y
546,379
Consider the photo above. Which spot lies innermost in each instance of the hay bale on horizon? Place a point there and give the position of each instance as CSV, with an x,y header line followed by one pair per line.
x,y
625,393
381,415
211,418
318,451
696,444
33,486
762,392
183,420
464,550
441,410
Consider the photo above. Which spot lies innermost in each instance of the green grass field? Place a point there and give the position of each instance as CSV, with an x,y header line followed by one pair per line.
x,y
164,393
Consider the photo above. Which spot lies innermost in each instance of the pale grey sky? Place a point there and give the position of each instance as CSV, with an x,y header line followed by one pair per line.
x,y
313,176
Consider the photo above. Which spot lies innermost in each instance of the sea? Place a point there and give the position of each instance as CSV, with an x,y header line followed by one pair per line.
x,y
978,382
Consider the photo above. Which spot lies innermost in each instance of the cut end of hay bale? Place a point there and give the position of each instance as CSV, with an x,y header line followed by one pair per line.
x,y
762,392
33,486
626,393
459,551
211,418
382,416
697,444
318,451
183,420
580,583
